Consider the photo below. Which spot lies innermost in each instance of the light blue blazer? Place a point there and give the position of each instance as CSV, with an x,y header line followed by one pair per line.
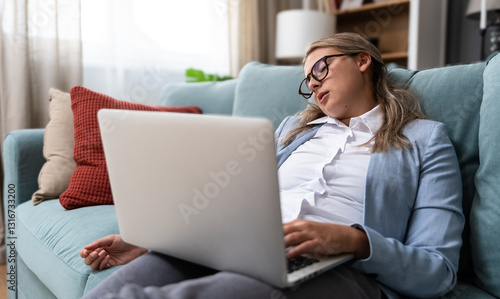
x,y
413,210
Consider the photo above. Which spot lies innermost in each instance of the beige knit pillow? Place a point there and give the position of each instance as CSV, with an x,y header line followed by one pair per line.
x,y
57,149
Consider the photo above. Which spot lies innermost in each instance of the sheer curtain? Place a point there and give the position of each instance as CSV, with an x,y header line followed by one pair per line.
x,y
39,48
252,32
132,48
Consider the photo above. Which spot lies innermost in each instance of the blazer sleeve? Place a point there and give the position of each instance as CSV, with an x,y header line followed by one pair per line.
x,y
418,255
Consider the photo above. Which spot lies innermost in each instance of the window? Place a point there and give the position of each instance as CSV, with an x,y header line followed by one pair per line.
x,y
132,48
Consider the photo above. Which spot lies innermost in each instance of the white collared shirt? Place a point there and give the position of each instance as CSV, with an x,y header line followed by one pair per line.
x,y
324,178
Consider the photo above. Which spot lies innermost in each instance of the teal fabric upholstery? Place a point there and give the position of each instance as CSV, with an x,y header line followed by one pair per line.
x,y
453,95
32,286
46,236
96,277
52,254
211,97
268,91
25,151
23,159
467,291
485,213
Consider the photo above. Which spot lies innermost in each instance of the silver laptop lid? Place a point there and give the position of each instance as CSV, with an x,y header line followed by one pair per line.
x,y
201,188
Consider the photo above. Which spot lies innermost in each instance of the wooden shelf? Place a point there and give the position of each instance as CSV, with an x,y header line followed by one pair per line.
x,y
387,22
414,40
371,6
395,55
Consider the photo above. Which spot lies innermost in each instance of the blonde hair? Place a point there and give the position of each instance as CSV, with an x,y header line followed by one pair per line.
x,y
398,104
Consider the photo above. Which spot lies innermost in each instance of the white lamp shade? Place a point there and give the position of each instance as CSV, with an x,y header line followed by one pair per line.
x,y
474,7
297,29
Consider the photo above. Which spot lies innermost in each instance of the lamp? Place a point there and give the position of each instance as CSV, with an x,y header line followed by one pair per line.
x,y
296,29
488,14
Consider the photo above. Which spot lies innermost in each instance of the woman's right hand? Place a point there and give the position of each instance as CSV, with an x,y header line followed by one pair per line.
x,y
323,238
109,252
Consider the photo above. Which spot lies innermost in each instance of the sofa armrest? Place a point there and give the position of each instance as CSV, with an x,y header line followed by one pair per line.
x,y
22,159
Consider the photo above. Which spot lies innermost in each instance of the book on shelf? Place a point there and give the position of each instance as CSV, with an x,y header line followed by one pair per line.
x,y
350,4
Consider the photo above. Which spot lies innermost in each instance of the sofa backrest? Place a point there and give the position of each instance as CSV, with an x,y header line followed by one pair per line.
x,y
466,98
453,95
261,90
211,97
485,210
269,91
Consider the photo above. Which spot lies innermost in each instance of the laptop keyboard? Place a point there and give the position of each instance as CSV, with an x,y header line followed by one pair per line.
x,y
299,262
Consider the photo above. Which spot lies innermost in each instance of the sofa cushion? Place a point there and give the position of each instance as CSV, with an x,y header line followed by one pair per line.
x,y
211,97
268,91
485,212
52,238
453,95
58,145
464,290
28,284
89,184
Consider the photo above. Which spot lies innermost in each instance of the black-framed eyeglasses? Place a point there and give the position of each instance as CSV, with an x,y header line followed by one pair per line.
x,y
319,71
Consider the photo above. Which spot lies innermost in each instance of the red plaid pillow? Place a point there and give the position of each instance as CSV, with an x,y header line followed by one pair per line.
x,y
89,184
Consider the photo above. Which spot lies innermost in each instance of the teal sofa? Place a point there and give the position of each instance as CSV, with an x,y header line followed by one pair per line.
x,y
48,238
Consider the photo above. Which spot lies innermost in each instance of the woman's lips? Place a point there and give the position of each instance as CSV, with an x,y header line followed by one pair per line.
x,y
322,96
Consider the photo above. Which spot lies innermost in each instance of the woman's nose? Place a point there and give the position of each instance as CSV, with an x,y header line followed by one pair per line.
x,y
314,84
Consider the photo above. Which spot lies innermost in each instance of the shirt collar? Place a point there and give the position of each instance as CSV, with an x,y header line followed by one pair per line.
x,y
372,120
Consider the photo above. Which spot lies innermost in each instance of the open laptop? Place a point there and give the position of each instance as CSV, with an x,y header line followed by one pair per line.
x,y
201,188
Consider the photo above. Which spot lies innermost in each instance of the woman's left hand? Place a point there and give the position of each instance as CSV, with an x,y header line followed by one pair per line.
x,y
320,238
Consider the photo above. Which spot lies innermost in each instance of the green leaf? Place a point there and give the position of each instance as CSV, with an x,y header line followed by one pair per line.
x,y
195,75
